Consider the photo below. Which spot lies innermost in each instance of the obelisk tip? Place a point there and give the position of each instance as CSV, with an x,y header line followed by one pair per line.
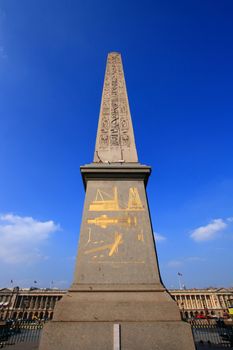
x,y
115,137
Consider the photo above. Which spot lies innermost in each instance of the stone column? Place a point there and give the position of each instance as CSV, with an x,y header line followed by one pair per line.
x,y
21,302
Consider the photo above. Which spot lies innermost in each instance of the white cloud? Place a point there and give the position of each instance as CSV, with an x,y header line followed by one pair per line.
x,y
21,237
159,237
184,261
230,219
195,259
208,232
174,263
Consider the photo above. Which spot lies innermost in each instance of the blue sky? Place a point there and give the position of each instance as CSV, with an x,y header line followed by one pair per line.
x,y
177,58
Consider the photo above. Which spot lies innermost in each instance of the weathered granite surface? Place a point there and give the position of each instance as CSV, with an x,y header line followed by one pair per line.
x,y
115,137
117,279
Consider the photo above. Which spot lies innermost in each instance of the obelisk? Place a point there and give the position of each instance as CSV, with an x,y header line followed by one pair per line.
x,y
117,300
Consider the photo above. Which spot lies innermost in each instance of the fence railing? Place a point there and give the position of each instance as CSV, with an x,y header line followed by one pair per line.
x,y
20,331
209,333
206,333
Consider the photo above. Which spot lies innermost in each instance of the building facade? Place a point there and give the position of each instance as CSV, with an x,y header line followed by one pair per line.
x,y
213,302
28,303
39,303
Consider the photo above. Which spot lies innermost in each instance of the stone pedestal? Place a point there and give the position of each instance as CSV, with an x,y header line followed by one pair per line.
x,y
117,281
147,320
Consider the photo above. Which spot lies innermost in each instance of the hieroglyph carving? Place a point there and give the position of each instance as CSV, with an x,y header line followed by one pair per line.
x,y
114,127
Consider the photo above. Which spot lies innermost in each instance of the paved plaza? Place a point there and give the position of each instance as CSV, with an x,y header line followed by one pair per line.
x,y
22,346
33,346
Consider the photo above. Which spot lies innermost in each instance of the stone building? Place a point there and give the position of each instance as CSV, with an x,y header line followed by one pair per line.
x,y
30,303
39,303
213,302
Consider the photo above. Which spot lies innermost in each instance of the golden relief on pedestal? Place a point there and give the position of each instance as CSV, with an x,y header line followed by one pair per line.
x,y
104,221
105,243
106,202
112,247
99,248
141,236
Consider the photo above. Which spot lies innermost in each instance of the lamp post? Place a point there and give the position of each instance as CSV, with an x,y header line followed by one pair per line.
x,y
179,279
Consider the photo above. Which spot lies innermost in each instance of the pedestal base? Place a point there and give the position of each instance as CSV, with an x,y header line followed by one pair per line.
x,y
133,336
148,320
